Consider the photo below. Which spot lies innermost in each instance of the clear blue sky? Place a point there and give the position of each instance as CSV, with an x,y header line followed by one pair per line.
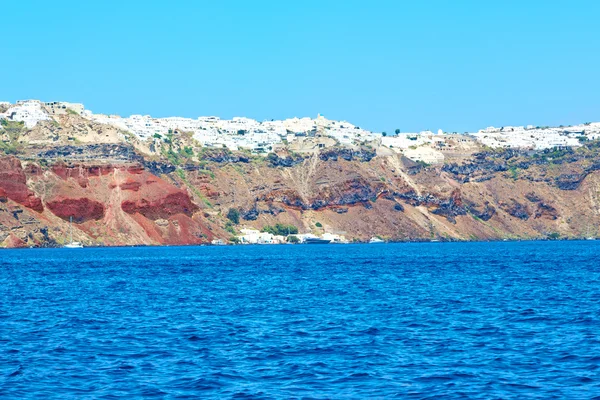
x,y
413,65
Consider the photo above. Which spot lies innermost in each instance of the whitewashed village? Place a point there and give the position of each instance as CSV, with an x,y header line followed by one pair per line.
x,y
311,134
306,135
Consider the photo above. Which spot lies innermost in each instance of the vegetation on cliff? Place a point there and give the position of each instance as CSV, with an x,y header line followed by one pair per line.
x,y
9,136
280,229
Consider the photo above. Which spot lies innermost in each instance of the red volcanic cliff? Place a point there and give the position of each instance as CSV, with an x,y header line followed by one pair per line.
x,y
82,209
174,203
13,183
111,205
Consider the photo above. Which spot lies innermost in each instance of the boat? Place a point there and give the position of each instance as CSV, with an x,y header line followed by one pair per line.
x,y
72,244
316,240
375,240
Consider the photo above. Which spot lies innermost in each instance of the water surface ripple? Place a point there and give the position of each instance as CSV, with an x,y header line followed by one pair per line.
x,y
450,320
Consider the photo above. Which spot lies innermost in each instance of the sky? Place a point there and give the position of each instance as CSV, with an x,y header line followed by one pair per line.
x,y
382,65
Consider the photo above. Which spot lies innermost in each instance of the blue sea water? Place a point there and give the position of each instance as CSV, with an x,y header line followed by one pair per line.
x,y
430,320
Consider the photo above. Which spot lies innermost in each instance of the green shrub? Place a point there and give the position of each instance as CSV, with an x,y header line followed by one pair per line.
x,y
280,229
172,156
187,151
13,129
234,215
293,239
319,225
229,228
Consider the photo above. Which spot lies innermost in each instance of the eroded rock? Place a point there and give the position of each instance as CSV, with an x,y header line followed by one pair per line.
x,y
81,209
163,207
13,184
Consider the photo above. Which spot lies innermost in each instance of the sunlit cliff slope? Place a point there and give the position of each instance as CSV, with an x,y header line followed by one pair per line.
x,y
120,190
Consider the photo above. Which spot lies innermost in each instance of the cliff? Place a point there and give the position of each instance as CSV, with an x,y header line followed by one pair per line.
x,y
122,191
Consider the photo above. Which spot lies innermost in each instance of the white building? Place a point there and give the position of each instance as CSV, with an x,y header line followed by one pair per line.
x,y
63,107
254,236
263,137
29,112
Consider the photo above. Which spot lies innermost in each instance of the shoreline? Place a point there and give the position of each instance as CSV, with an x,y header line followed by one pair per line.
x,y
312,245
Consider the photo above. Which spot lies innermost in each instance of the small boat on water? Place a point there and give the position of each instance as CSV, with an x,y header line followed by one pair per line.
x,y
316,240
375,240
72,244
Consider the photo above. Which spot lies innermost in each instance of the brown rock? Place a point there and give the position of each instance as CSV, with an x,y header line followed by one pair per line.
x,y
13,182
163,207
81,209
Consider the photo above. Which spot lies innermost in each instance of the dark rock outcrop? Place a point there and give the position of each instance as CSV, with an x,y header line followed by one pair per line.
x,y
357,191
159,168
350,192
569,181
223,156
516,209
478,170
532,197
451,207
544,210
287,161
104,151
363,154
484,214
251,214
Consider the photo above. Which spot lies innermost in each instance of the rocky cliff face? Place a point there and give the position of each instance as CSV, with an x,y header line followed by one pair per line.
x,y
109,204
122,193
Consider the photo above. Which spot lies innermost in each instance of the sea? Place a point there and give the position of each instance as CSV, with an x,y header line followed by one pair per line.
x,y
500,320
